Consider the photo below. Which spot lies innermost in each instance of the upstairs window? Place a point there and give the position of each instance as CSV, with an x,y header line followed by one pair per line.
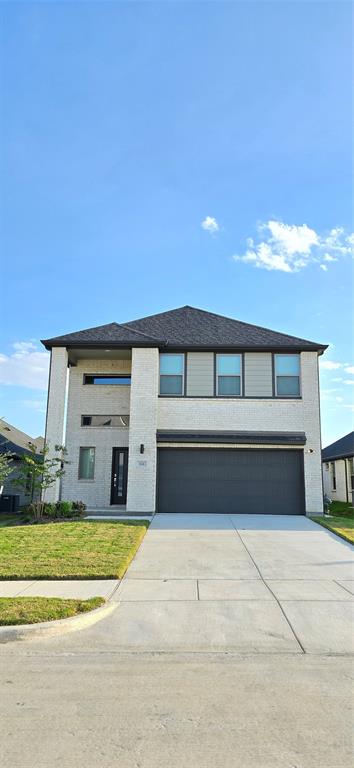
x,y
105,378
228,375
171,374
105,421
287,375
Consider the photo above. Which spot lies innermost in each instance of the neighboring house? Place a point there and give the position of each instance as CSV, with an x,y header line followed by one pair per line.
x,y
187,411
16,442
338,469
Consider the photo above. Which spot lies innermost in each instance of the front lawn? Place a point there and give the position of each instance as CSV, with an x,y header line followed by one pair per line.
x,y
31,610
83,549
341,520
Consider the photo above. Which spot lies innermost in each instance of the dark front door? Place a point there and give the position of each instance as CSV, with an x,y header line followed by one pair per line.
x,y
119,476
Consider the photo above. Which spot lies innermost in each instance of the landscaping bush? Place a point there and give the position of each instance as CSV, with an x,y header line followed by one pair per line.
x,y
79,507
45,510
64,509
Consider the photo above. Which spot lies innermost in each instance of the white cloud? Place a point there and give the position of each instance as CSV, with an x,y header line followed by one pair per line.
x,y
291,247
337,379
339,399
349,369
210,225
27,366
348,381
329,365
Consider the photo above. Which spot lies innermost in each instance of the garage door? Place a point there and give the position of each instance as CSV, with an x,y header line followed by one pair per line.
x,y
252,481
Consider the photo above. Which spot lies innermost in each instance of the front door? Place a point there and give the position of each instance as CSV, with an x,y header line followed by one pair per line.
x,y
119,476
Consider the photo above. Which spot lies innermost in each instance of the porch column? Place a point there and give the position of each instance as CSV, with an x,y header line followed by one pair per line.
x,y
54,433
141,492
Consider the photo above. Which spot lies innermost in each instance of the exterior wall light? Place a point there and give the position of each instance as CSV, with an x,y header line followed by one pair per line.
x,y
142,448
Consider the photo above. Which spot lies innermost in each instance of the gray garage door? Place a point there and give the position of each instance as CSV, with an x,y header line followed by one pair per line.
x,y
249,481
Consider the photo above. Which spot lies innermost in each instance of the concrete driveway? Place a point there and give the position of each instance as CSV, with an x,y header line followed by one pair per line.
x,y
229,649
249,583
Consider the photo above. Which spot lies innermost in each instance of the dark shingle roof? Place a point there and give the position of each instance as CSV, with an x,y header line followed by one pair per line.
x,y
185,327
341,449
16,441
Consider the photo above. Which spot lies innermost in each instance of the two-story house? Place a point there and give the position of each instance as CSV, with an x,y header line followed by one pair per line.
x,y
187,411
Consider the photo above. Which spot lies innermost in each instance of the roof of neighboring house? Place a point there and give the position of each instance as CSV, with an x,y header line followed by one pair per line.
x,y
16,441
185,327
341,449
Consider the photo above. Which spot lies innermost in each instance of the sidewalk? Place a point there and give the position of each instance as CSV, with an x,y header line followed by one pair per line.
x,y
73,588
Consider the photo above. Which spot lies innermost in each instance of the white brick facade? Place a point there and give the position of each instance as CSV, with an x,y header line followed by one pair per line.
x,y
85,400
142,431
54,434
149,413
259,414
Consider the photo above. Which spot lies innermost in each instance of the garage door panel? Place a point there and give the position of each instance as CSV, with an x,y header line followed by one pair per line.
x,y
252,481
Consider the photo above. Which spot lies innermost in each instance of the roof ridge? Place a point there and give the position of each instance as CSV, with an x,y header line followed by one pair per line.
x,y
249,325
147,335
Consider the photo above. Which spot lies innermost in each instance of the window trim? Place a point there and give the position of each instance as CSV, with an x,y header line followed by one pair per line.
x,y
333,476
234,376
87,479
291,375
106,376
102,415
181,375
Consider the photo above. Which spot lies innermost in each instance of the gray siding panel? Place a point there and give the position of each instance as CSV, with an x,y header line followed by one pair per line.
x,y
258,374
200,374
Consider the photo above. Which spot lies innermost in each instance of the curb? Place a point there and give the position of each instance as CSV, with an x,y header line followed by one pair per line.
x,y
55,628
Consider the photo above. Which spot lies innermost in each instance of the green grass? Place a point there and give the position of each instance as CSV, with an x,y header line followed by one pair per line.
x,y
31,610
341,520
69,550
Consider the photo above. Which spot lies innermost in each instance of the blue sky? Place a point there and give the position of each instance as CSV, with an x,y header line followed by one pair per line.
x,y
125,125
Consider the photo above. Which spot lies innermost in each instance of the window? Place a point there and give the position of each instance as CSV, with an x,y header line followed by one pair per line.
x,y
171,374
103,378
228,375
333,475
105,421
287,375
86,464
351,474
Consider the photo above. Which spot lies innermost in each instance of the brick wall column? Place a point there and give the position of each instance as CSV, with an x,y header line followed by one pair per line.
x,y
54,434
142,430
312,427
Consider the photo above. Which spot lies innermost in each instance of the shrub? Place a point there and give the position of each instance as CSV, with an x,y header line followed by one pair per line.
x,y
45,510
64,509
79,507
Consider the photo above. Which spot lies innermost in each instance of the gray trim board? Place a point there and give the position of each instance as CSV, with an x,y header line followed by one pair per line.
x,y
247,438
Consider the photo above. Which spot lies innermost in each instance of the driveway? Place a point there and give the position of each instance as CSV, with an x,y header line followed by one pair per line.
x,y
249,583
228,649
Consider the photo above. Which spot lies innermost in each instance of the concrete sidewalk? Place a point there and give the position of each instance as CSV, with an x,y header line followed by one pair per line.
x,y
73,588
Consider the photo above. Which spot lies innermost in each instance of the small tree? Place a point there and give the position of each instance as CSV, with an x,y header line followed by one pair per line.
x,y
5,467
38,471
6,464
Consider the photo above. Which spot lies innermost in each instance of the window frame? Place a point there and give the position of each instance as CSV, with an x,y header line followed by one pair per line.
x,y
106,376
233,376
87,448
106,416
291,375
180,375
333,476
350,464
